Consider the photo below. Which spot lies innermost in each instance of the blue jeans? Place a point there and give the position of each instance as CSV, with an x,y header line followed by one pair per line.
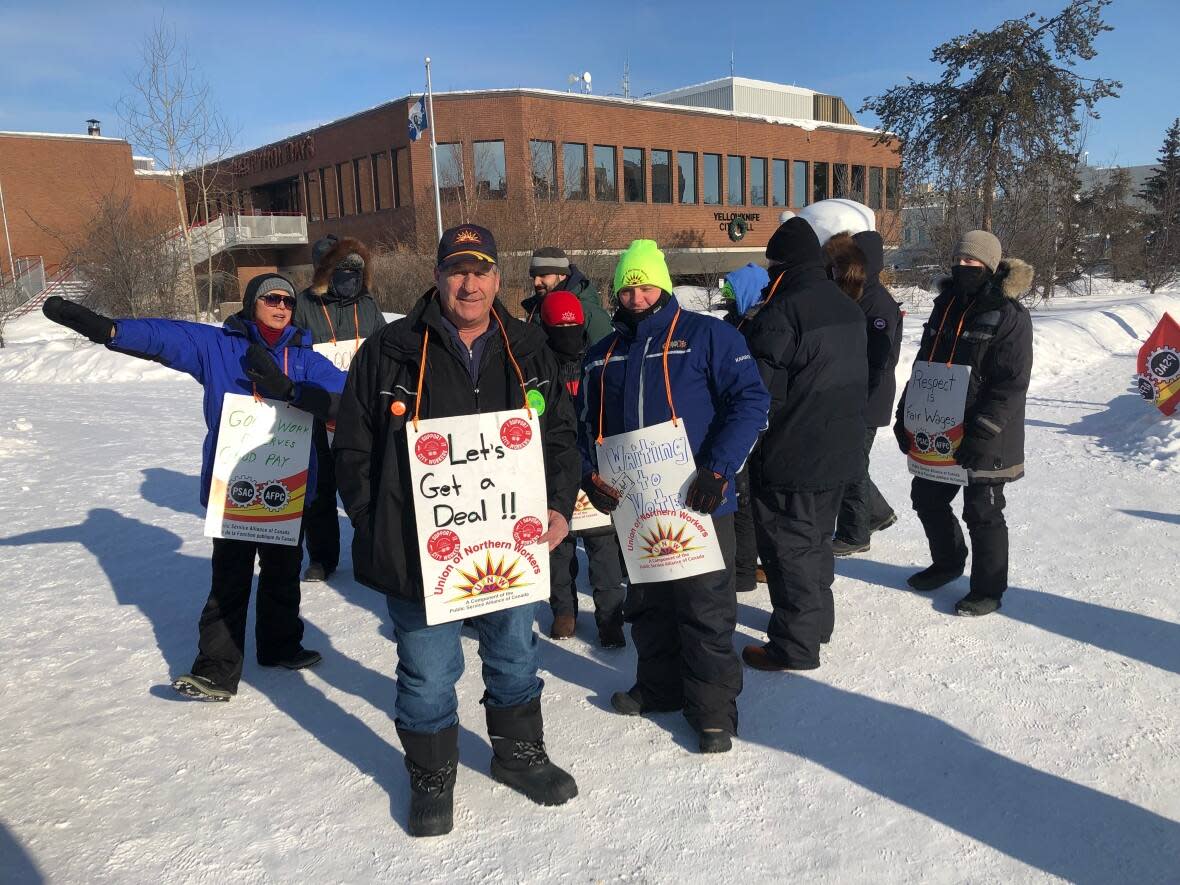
x,y
430,662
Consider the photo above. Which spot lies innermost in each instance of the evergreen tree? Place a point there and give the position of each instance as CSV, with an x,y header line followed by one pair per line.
x,y
1162,193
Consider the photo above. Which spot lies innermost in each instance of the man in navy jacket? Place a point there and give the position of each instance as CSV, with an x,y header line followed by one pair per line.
x,y
683,629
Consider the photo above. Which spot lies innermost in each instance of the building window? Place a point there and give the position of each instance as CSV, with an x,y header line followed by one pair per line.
x,y
779,182
634,185
342,202
315,208
573,163
757,181
543,157
358,186
328,188
858,184
839,180
874,187
382,183
686,163
491,177
450,172
661,176
799,183
735,180
892,188
819,173
711,180
606,185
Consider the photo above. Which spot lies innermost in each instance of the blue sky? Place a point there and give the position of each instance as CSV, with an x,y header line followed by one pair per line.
x,y
278,68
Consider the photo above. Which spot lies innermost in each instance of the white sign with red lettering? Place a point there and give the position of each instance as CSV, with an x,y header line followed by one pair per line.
x,y
481,506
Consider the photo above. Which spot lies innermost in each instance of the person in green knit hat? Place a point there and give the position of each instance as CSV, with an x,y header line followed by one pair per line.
x,y
682,629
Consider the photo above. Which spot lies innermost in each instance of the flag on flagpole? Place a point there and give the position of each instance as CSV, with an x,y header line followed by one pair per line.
x,y
419,121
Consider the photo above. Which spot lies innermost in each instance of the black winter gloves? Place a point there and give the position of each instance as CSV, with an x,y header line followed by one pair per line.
x,y
604,497
262,369
82,320
902,436
707,492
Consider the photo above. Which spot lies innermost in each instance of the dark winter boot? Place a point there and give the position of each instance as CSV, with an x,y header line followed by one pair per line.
x,y
974,605
841,547
714,740
431,760
934,577
519,759
633,703
304,657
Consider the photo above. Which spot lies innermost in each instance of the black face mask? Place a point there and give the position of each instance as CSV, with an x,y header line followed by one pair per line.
x,y
969,280
632,318
346,283
567,342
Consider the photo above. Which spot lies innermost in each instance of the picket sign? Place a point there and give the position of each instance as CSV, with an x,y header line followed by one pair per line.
x,y
935,406
587,518
341,353
259,471
1158,378
481,505
661,540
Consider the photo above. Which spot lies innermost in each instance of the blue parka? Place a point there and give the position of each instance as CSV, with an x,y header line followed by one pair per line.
x,y
715,384
216,357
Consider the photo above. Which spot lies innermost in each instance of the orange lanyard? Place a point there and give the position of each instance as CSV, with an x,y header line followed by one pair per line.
x,y
765,301
667,379
356,324
958,332
511,358
257,398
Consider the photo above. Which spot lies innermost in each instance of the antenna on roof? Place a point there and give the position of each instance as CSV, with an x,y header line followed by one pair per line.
x,y
626,78
731,61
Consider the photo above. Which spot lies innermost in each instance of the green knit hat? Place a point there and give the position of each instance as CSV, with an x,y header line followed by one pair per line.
x,y
642,264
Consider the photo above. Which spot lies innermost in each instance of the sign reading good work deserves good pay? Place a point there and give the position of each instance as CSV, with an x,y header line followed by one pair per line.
x,y
259,472
935,404
661,540
481,506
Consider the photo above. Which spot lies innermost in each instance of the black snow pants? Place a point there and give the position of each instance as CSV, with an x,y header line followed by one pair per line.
x,y
683,634
745,563
321,524
983,511
607,578
278,631
795,545
863,505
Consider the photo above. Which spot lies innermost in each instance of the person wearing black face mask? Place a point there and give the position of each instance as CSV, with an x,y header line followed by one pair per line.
x,y
563,320
977,321
338,308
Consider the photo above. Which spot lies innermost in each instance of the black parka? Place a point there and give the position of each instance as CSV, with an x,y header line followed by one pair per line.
x,y
328,317
883,326
996,341
809,341
372,458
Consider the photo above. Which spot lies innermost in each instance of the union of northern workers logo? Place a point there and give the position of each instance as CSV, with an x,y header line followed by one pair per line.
x,y
467,235
516,433
1164,364
634,278
490,577
664,541
431,448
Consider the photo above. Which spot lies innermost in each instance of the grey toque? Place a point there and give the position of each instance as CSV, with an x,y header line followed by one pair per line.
x,y
549,259
980,245
352,262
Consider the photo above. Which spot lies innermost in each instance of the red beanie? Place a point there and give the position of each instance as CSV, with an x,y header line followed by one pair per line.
x,y
562,308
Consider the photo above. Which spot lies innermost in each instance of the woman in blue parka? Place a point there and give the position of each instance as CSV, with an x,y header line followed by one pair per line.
x,y
256,350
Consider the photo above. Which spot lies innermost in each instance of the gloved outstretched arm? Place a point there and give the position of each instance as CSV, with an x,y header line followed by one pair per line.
x,y
82,320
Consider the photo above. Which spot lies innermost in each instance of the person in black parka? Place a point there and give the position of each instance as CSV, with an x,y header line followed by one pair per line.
x,y
864,509
337,306
977,321
809,341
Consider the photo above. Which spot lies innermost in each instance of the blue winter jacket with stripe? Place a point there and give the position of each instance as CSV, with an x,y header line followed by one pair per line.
x,y
716,389
216,357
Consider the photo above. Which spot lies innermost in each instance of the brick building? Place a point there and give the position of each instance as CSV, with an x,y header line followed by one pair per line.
x,y
588,173
51,185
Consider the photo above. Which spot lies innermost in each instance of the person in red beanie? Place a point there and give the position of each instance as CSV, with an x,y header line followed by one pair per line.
x,y
563,320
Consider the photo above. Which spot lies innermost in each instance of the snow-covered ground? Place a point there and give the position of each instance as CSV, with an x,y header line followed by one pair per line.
x,y
1038,744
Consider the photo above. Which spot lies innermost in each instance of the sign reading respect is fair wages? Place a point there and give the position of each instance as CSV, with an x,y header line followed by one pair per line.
x,y
481,506
259,471
935,404
660,539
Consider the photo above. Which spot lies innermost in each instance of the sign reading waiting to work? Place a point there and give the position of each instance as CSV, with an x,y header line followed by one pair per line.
x,y
660,539
259,472
935,405
481,507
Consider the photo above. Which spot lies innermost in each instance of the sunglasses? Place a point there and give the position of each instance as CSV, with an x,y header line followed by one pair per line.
x,y
273,300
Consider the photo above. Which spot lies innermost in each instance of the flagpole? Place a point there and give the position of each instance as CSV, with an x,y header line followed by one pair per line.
x,y
433,152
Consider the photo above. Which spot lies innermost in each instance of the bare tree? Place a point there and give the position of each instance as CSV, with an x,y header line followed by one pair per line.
x,y
169,113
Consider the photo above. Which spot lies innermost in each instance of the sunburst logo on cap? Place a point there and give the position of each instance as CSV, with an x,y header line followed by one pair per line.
x,y
467,235
490,578
634,278
665,542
